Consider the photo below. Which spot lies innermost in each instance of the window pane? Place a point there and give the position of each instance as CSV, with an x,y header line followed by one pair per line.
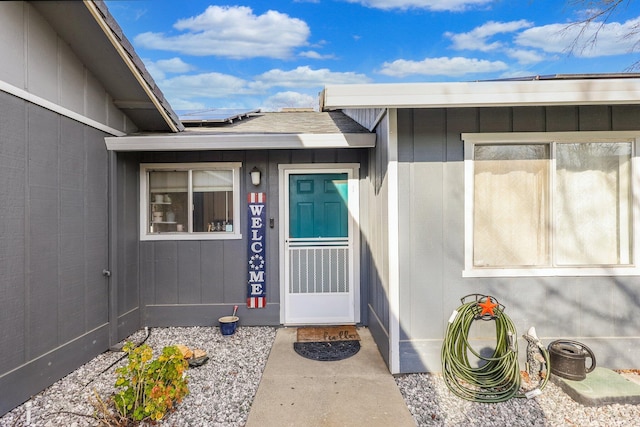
x,y
213,201
168,197
511,205
593,203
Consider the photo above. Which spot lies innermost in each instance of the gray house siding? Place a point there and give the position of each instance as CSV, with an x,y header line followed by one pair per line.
x,y
126,254
193,283
600,311
54,184
375,230
53,247
42,64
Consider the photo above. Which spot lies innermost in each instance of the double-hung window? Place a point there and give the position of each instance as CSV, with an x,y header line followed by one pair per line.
x,y
189,201
549,204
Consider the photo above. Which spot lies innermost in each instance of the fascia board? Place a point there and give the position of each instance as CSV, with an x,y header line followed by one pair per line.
x,y
181,142
128,60
484,94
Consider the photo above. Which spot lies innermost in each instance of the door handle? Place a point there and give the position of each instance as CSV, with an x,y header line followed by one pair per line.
x,y
106,273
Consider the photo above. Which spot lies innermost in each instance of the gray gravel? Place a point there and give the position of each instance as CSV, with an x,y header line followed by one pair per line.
x,y
222,390
432,404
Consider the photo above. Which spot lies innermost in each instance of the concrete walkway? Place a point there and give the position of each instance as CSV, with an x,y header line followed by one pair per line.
x,y
358,391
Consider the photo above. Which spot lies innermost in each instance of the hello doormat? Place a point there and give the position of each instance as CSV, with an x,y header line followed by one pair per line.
x,y
328,334
326,344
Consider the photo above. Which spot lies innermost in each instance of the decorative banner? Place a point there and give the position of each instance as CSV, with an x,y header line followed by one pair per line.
x,y
256,284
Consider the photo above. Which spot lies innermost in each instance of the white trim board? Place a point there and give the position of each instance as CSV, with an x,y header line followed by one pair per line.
x,y
51,106
258,141
394,243
484,94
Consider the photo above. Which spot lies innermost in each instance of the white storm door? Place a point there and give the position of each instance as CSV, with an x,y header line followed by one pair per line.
x,y
321,278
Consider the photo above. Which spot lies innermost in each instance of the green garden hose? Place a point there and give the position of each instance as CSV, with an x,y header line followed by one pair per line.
x,y
497,378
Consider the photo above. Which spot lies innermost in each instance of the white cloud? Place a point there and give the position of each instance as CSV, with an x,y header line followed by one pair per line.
x,y
173,65
184,104
207,85
436,5
525,56
443,66
557,38
305,76
159,69
312,54
187,89
477,39
232,31
290,99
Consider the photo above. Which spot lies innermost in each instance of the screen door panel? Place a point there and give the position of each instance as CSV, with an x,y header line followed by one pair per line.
x,y
318,249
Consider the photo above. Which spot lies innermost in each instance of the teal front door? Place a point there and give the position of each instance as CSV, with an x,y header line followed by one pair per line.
x,y
319,247
318,205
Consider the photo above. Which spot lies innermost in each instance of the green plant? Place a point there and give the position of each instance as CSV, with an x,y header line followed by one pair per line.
x,y
150,388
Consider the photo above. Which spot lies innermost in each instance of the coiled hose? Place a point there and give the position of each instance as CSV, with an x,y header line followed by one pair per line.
x,y
497,378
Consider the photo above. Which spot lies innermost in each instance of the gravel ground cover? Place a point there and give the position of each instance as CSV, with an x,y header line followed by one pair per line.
x,y
220,391
432,404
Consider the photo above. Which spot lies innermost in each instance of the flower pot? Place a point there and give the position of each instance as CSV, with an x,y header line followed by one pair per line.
x,y
228,324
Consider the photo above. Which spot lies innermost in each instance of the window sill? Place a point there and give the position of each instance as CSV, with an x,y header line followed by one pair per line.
x,y
192,236
552,272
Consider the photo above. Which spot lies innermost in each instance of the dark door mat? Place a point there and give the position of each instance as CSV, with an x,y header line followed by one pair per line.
x,y
327,333
327,351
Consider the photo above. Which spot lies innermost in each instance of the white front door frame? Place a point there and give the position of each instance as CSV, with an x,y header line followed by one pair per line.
x,y
353,172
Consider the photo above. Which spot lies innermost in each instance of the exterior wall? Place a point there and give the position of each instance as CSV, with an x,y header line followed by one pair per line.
x,y
599,311
375,230
193,283
125,274
39,62
54,186
53,247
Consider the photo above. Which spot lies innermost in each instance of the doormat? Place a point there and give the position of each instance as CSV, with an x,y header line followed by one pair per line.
x,y
328,334
327,351
327,343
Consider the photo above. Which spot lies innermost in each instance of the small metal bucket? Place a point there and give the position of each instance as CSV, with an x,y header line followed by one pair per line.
x,y
568,359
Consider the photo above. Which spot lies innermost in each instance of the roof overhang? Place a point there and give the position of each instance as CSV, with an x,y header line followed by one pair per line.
x,y
484,94
185,142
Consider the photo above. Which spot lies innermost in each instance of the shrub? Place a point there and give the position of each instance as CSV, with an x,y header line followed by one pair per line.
x,y
150,388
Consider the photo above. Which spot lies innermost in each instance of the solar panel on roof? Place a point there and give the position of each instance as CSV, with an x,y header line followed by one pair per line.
x,y
214,115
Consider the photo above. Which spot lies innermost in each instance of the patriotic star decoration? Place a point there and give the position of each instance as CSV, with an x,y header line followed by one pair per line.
x,y
256,262
487,307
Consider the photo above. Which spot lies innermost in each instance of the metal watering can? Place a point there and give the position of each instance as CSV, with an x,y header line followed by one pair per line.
x,y
568,359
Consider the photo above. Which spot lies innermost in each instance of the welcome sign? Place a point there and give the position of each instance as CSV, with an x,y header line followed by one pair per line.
x,y
256,251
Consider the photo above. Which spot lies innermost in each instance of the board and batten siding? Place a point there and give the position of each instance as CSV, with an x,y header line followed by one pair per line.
x,y
375,230
53,248
54,205
600,311
193,283
39,62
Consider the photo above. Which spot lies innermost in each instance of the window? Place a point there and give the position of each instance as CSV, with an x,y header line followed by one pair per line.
x,y
548,204
195,201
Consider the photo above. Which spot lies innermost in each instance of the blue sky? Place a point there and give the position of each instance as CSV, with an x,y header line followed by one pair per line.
x,y
271,54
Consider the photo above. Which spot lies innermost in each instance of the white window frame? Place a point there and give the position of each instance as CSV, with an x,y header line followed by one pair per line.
x,y
471,139
144,201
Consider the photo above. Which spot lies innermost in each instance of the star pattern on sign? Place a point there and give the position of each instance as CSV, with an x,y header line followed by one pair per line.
x,y
487,307
256,262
